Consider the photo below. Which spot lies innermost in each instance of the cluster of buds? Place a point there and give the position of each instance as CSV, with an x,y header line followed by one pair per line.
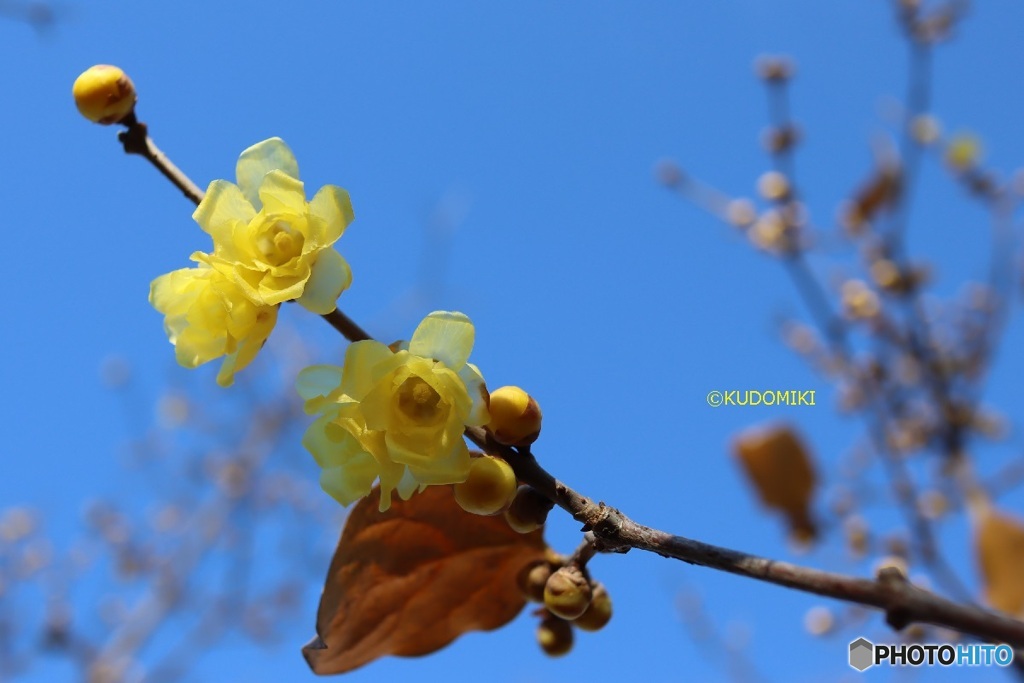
x,y
570,598
491,488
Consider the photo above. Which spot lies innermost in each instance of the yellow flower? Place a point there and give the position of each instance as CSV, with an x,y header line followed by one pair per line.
x,y
396,415
269,240
208,316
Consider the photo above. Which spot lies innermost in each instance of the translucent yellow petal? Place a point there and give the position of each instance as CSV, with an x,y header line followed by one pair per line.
x,y
332,210
350,482
283,194
452,468
329,278
407,485
173,292
445,336
249,345
275,290
413,449
365,363
316,383
224,210
477,390
260,159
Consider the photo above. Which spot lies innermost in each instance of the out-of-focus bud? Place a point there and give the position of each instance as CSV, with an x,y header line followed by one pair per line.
x,y
774,69
104,94
891,562
669,173
599,613
859,301
925,129
515,417
489,488
567,593
819,621
780,139
886,274
963,152
774,186
555,636
740,213
533,578
528,511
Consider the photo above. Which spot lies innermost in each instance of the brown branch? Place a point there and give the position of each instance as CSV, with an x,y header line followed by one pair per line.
x,y
902,602
136,140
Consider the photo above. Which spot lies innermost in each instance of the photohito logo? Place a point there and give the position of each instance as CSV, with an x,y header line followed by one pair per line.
x,y
864,654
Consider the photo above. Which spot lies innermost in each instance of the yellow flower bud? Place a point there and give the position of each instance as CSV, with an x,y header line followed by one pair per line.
x,y
528,511
104,94
567,593
555,637
599,613
489,488
532,579
515,416
774,186
963,152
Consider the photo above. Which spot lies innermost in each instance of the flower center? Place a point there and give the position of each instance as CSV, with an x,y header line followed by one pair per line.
x,y
418,401
280,243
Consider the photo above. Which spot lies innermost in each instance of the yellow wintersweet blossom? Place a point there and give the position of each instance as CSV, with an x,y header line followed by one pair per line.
x,y
396,415
267,238
207,316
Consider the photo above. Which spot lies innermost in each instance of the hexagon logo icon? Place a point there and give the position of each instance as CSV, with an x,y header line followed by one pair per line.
x,y
862,654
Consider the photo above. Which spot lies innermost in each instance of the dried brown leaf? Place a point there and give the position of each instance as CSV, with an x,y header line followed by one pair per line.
x,y
409,581
782,472
999,544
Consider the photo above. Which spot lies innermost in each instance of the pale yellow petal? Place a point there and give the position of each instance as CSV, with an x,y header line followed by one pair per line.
x,y
316,383
260,159
329,278
477,390
283,194
350,482
365,361
224,210
331,210
446,336
452,468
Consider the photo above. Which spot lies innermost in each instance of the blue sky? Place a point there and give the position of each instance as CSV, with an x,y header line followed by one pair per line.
x,y
616,304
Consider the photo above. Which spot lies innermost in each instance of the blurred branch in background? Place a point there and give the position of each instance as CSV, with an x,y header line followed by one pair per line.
x,y
915,370
222,529
39,15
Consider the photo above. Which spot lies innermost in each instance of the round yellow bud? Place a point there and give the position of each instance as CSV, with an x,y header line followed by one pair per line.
x,y
528,511
515,417
599,613
532,579
567,593
555,636
104,94
489,488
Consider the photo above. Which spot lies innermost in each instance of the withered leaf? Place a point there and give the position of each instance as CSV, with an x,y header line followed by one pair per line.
x,y
411,580
781,470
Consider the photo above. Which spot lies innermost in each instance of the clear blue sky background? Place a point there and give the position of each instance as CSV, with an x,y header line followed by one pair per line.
x,y
618,305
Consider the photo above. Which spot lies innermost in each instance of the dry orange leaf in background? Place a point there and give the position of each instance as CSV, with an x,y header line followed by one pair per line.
x,y
411,580
999,543
780,468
